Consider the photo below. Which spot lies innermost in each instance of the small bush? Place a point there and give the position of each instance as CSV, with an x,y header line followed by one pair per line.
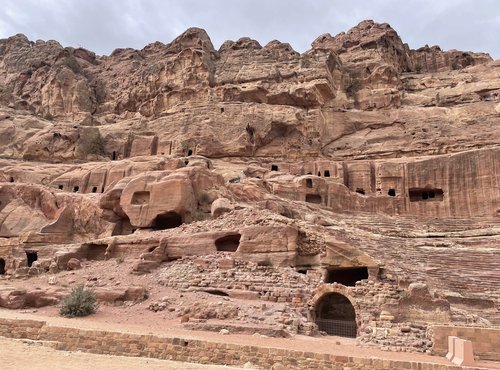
x,y
353,86
199,215
80,302
72,64
92,143
455,65
96,144
305,61
203,197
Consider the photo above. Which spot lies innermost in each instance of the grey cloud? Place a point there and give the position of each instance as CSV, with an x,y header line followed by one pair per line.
x,y
103,25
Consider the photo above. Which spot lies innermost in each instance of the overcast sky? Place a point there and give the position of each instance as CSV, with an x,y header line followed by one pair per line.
x,y
104,25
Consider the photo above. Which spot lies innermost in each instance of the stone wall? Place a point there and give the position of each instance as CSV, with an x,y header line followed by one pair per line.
x,y
485,341
269,283
193,350
371,299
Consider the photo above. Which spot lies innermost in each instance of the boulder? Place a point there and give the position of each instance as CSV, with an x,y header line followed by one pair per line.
x,y
116,295
221,206
74,264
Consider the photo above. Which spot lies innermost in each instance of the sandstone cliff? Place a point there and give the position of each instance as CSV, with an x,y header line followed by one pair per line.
x,y
361,94
358,158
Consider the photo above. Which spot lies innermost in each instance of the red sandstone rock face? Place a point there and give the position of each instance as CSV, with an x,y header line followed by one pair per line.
x,y
269,101
433,59
359,158
372,40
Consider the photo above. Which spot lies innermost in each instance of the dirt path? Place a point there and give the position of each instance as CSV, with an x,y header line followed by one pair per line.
x,y
28,355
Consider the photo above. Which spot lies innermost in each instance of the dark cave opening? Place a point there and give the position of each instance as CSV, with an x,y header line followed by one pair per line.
x,y
31,257
167,220
228,243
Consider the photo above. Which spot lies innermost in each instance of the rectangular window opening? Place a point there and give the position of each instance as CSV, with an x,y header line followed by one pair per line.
x,y
346,276
425,195
31,257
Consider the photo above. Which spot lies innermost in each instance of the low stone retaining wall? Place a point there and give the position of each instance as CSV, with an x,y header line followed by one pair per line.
x,y
485,341
193,350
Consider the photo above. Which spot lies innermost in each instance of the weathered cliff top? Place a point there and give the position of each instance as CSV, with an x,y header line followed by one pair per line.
x,y
360,94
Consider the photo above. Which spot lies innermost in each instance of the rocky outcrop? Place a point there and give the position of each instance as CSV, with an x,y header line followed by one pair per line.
x,y
28,209
372,41
270,100
357,181
142,199
433,59
13,298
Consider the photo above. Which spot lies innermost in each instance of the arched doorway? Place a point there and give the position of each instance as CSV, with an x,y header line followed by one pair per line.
x,y
335,315
2,266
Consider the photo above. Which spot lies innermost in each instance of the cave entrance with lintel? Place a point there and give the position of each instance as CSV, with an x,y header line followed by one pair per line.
x,y
335,315
313,198
2,266
347,276
31,256
427,194
168,220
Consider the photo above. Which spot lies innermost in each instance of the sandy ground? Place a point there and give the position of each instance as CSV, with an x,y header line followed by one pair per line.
x,y
28,355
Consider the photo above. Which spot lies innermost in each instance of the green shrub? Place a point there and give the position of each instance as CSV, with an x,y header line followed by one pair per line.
x,y
92,143
203,197
199,215
455,65
305,61
80,302
354,84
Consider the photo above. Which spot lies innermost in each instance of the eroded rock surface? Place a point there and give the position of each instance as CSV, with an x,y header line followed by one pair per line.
x,y
356,182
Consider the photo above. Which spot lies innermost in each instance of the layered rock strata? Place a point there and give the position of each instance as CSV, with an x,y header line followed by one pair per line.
x,y
360,177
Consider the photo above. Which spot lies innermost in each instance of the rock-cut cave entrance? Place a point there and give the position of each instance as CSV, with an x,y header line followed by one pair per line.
x,y
96,252
417,194
31,257
335,315
347,276
167,220
228,243
2,266
313,198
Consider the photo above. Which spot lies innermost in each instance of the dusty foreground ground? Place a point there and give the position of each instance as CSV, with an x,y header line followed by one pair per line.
x,y
28,355
25,354
21,355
